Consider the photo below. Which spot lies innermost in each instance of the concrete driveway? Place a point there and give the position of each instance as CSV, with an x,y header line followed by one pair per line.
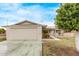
x,y
3,48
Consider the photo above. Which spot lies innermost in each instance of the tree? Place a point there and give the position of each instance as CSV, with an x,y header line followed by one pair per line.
x,y
2,30
67,18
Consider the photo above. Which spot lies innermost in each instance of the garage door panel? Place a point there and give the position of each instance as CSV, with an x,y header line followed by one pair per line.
x,y
23,34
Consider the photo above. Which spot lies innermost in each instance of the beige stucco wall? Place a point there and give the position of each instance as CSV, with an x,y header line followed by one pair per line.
x,y
24,39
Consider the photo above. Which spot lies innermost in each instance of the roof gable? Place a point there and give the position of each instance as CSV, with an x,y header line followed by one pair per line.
x,y
26,22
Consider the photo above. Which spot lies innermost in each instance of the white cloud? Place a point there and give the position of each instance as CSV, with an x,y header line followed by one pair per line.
x,y
9,6
35,13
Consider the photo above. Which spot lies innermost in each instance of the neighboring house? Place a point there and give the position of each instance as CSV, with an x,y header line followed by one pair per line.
x,y
60,33
55,32
27,34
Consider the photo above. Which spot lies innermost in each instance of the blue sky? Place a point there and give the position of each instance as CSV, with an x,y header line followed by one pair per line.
x,y
43,13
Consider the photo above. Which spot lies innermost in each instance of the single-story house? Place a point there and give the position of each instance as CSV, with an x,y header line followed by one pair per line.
x,y
24,35
25,30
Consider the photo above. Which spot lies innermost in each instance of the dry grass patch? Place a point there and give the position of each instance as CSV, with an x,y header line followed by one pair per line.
x,y
63,47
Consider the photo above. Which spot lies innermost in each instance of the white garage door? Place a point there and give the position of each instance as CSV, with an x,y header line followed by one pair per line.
x,y
23,34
